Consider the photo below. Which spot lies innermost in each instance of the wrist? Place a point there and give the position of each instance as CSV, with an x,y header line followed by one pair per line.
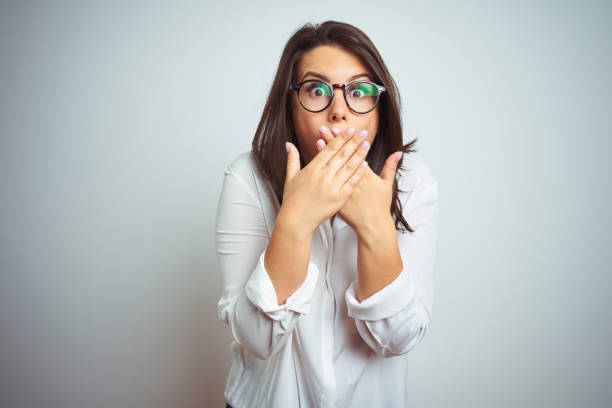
x,y
289,225
375,230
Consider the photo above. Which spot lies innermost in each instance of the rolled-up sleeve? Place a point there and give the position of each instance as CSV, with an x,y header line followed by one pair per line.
x,y
260,291
393,320
249,305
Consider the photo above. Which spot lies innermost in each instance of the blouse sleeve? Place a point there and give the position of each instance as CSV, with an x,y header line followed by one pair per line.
x,y
393,320
249,305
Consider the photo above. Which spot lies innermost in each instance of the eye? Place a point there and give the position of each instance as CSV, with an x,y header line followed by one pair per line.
x,y
356,93
317,89
360,90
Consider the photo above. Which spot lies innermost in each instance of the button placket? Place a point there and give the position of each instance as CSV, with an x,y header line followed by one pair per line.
x,y
328,322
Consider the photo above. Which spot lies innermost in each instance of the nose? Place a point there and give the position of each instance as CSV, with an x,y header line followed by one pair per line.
x,y
338,111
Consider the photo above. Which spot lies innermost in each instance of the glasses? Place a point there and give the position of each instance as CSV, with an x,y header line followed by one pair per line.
x,y
316,95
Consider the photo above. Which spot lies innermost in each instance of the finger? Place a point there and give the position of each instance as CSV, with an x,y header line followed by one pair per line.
x,y
293,161
326,134
390,167
354,179
346,151
334,145
356,159
320,144
326,137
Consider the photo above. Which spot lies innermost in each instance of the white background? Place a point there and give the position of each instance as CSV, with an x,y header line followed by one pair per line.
x,y
117,120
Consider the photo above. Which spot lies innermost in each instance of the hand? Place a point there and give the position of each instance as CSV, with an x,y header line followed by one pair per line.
x,y
370,200
313,194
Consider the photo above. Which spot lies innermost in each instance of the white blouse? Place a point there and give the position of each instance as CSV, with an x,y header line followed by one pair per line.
x,y
322,348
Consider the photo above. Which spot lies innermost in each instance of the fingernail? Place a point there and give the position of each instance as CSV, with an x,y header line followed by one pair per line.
x,y
363,133
350,131
321,143
364,164
398,156
287,146
335,130
323,130
365,145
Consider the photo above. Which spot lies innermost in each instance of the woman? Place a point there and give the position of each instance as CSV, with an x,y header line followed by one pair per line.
x,y
325,241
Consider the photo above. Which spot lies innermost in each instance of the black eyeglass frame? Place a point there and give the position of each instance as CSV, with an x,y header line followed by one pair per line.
x,y
297,87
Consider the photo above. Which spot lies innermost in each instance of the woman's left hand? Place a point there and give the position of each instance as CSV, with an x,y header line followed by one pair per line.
x,y
370,202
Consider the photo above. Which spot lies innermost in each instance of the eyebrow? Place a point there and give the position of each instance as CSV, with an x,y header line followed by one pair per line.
x,y
323,77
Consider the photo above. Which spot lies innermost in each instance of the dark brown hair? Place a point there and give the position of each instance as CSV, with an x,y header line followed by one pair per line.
x,y
274,129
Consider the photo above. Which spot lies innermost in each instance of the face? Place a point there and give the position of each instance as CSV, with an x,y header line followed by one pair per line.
x,y
338,67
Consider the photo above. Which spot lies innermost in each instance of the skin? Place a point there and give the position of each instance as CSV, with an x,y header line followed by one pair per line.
x,y
338,66
326,185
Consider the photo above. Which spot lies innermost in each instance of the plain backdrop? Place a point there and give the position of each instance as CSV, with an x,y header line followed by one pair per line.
x,y
118,119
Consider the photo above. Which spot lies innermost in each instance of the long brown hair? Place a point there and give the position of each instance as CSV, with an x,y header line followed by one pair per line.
x,y
274,129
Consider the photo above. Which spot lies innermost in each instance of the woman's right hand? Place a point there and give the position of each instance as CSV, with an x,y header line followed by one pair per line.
x,y
319,190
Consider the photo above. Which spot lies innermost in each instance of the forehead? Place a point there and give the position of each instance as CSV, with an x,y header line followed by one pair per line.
x,y
335,63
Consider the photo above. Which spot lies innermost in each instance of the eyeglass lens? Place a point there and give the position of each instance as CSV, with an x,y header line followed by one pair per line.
x,y
361,96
